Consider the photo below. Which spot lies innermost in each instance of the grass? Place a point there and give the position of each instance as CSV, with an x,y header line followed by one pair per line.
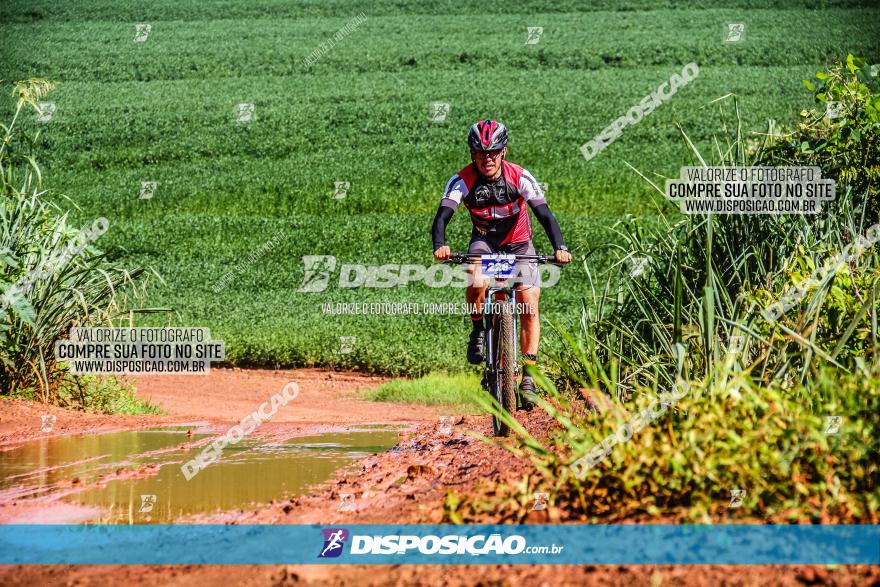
x,y
105,395
457,390
163,111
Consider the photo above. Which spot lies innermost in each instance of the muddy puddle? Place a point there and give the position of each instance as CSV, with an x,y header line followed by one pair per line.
x,y
135,477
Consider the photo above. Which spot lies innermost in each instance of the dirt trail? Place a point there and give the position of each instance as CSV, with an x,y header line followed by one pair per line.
x,y
326,397
221,397
407,485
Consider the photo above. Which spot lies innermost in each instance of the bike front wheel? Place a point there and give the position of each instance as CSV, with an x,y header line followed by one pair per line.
x,y
505,368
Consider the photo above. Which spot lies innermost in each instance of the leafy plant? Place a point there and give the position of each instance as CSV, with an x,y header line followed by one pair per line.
x,y
52,275
843,135
103,395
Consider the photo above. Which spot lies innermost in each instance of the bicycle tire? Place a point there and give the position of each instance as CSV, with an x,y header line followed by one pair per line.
x,y
505,372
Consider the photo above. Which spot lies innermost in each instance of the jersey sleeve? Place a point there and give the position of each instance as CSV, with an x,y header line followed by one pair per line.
x,y
455,191
531,190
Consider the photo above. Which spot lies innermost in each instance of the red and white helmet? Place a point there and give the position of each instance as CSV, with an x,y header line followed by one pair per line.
x,y
487,135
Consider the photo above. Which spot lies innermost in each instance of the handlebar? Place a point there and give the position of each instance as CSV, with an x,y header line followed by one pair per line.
x,y
460,258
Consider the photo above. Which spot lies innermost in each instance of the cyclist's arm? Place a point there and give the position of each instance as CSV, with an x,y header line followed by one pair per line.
x,y
452,197
551,226
534,195
438,229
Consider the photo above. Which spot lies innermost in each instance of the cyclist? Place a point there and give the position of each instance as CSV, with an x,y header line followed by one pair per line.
x,y
496,192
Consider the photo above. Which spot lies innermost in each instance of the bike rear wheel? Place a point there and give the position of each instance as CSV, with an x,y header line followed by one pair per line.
x,y
505,368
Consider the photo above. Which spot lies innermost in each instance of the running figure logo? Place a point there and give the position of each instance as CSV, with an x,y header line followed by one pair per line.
x,y
45,111
735,32
317,272
736,498
534,35
832,424
147,503
334,540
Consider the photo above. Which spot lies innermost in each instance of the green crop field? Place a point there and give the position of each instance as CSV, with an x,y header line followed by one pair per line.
x,y
255,197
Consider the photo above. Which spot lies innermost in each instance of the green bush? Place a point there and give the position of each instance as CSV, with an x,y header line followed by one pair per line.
x,y
843,137
103,395
719,437
51,274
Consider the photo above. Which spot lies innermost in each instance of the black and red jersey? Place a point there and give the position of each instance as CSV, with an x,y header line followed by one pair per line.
x,y
497,207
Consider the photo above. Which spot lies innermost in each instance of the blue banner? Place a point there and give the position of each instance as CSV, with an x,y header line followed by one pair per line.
x,y
565,544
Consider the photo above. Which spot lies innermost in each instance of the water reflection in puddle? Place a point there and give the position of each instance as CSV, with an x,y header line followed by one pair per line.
x,y
248,472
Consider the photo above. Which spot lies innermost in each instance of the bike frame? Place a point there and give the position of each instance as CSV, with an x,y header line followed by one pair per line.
x,y
499,293
500,380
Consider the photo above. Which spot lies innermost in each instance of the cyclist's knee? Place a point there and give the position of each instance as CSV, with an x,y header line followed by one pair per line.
x,y
529,291
476,281
529,298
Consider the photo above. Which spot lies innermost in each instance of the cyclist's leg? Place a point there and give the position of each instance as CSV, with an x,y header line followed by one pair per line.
x,y
476,296
476,291
530,331
528,293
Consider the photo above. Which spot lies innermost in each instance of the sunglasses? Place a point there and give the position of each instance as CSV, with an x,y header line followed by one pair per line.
x,y
489,154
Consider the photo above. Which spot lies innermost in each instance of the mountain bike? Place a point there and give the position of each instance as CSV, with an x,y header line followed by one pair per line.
x,y
500,323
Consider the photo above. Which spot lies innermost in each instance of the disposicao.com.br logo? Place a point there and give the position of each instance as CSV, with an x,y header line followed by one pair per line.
x,y
454,544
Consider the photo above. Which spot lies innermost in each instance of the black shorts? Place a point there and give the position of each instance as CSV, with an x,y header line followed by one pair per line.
x,y
527,271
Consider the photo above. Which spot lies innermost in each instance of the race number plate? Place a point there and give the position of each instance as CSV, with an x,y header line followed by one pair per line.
x,y
498,266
